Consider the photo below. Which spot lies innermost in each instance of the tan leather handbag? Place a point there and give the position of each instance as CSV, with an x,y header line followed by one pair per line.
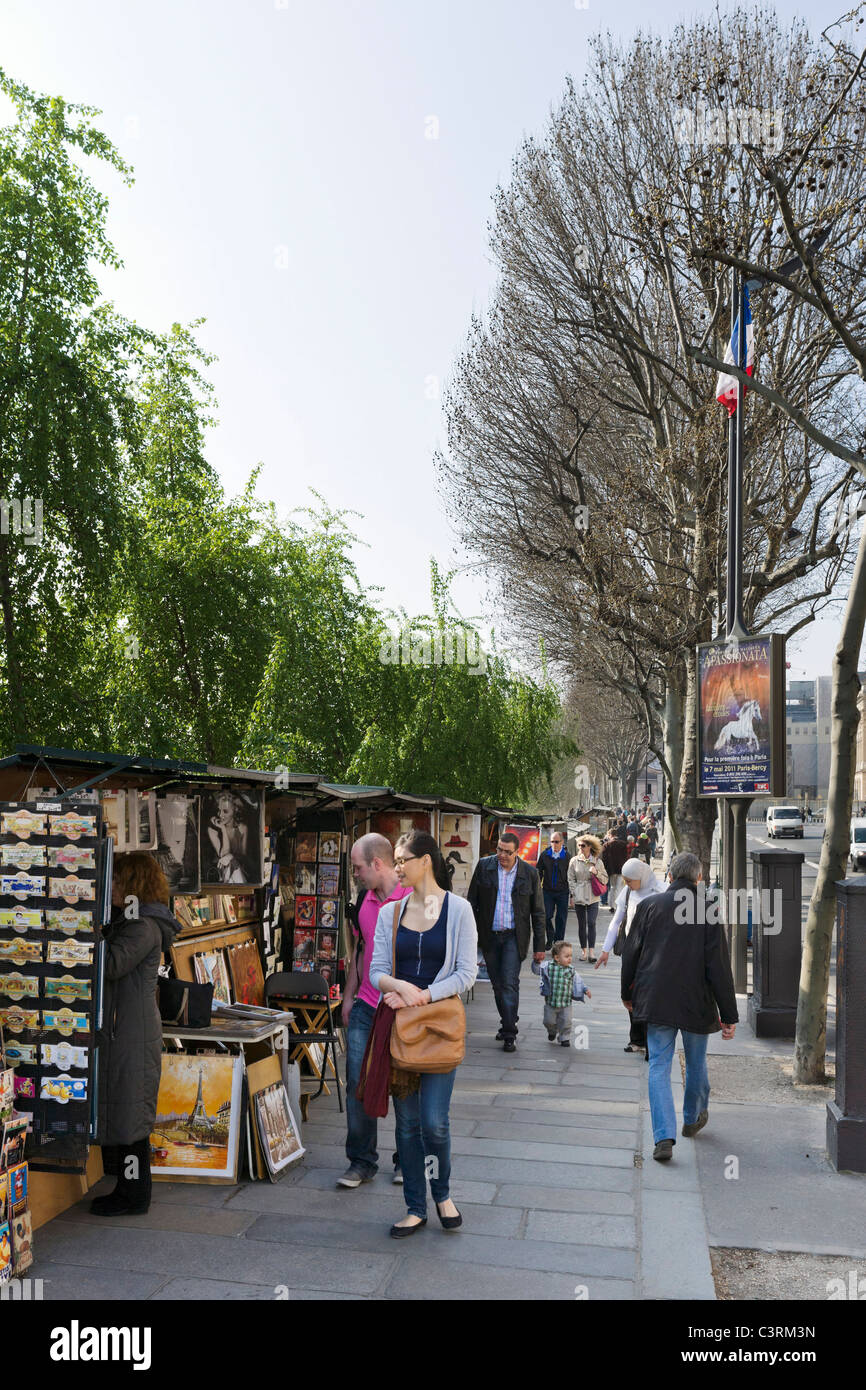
x,y
427,1037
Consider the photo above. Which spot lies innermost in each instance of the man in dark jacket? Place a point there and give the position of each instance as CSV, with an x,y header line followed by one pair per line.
x,y
676,975
613,855
505,895
553,873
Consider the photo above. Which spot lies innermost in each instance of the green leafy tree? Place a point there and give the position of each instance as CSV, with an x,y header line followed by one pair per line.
x,y
67,419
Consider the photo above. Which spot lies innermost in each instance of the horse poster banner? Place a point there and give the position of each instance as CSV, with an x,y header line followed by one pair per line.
x,y
741,717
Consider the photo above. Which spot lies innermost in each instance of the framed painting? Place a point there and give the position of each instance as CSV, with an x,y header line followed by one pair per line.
x,y
198,1118
278,1132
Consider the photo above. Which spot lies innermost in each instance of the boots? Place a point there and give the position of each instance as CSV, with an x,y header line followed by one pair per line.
x,y
131,1197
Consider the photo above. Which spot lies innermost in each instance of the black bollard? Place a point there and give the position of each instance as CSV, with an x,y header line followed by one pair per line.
x,y
846,1115
777,945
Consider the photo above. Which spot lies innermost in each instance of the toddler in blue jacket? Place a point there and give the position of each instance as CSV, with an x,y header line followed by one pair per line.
x,y
560,984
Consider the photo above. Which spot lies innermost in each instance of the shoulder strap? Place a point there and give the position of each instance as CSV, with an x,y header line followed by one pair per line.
x,y
397,907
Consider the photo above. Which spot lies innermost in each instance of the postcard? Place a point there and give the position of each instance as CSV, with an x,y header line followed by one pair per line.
x,y
305,911
70,952
25,1086
71,857
329,879
21,855
71,889
304,966
305,878
20,952
22,885
329,846
4,1198
63,1088
17,1184
66,987
5,1253
327,912
327,969
17,985
7,1091
306,847
72,825
68,920
14,1139
25,1053
327,945
22,823
20,919
16,1019
65,1021
22,1242
304,943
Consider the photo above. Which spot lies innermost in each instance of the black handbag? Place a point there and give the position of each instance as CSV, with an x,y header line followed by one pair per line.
x,y
620,936
184,1003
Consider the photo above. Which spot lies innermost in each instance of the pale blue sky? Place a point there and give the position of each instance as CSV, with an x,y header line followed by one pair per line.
x,y
286,189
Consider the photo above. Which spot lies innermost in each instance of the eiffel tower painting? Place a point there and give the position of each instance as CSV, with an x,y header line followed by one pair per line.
x,y
199,1118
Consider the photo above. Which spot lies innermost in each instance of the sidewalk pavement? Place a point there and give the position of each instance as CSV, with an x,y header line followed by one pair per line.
x,y
551,1167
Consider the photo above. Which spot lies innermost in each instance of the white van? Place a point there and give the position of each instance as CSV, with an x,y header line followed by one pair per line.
x,y
784,820
857,851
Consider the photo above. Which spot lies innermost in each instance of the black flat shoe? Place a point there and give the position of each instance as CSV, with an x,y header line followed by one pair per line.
x,y
398,1232
509,1045
449,1223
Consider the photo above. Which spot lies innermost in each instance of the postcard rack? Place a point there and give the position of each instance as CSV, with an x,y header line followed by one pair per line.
x,y
54,897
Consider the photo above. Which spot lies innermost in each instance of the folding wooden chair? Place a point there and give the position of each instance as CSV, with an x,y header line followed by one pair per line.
x,y
308,994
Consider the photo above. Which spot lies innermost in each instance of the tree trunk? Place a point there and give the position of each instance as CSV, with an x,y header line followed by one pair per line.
x,y
810,1043
673,736
695,818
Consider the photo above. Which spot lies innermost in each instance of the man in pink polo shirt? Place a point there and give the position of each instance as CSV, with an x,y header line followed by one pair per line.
x,y
373,867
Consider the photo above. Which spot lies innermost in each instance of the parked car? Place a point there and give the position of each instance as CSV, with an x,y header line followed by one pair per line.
x,y
784,820
857,851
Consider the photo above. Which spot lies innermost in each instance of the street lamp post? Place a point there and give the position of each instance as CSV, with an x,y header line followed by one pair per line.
x,y
734,823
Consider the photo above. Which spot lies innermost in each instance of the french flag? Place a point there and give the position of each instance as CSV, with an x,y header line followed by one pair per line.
x,y
726,391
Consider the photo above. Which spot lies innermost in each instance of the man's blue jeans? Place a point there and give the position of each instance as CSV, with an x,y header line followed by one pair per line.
x,y
661,1042
503,966
424,1140
361,1138
555,903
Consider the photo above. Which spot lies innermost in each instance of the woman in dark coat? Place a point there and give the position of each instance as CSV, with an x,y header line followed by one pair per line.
x,y
130,1040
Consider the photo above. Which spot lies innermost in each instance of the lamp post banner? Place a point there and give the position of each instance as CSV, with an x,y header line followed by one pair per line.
x,y
741,717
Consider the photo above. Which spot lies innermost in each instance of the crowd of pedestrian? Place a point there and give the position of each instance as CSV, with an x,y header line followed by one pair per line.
x,y
417,947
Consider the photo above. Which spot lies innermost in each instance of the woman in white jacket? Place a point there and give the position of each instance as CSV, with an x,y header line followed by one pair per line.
x,y
585,867
640,883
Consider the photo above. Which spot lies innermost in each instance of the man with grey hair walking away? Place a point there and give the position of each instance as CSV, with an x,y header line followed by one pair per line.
x,y
676,977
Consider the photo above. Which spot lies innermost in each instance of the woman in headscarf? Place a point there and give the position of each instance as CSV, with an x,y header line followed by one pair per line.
x,y
639,883
587,877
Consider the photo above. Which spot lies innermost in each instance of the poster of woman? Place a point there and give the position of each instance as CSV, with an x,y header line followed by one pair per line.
x,y
232,827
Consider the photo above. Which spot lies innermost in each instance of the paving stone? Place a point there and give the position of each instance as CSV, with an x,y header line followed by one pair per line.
x,y
469,1190
250,1261
535,1173
73,1282
587,1228
555,1134
418,1279
625,1126
169,1216
569,1199
547,1152
573,1105
222,1290
369,1205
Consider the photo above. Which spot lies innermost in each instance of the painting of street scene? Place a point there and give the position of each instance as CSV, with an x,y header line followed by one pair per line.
x,y
197,1117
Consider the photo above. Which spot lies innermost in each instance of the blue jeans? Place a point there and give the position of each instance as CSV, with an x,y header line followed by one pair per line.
x,y
424,1133
661,1042
555,903
502,958
361,1138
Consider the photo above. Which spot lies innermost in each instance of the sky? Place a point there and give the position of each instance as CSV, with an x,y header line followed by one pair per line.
x,y
313,177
